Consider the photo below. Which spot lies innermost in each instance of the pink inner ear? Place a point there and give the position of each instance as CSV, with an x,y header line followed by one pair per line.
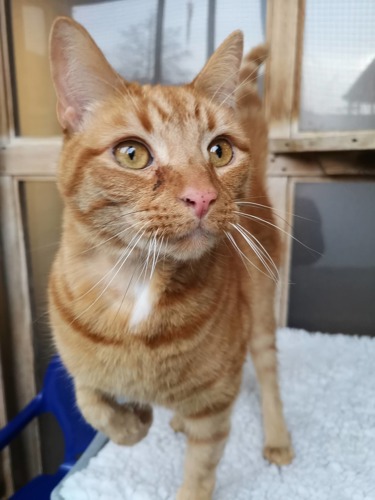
x,y
80,72
70,119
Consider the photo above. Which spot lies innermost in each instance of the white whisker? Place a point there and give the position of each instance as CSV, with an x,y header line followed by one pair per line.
x,y
262,249
256,250
238,202
236,247
113,277
123,231
242,254
264,221
247,81
123,254
146,263
261,252
153,256
157,256
136,267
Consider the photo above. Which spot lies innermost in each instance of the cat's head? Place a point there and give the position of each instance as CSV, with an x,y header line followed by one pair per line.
x,y
149,165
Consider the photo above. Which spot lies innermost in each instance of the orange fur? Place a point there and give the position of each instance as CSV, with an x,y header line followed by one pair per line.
x,y
179,338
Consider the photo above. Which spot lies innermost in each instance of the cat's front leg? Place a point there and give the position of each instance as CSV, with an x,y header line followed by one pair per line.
x,y
207,436
124,424
278,447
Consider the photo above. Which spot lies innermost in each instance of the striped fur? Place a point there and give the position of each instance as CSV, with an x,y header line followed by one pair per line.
x,y
129,242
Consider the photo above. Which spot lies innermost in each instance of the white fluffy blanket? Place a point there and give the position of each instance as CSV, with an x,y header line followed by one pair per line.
x,y
328,388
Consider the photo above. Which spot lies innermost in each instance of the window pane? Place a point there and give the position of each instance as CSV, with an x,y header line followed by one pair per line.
x,y
128,32
338,67
184,40
249,16
34,91
129,43
43,209
333,285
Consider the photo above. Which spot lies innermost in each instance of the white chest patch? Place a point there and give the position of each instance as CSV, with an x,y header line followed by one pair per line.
x,y
142,304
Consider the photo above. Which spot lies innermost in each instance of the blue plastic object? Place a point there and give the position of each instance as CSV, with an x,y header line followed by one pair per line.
x,y
57,397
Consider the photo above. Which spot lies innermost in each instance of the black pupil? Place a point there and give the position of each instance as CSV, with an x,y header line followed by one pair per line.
x,y
131,152
218,150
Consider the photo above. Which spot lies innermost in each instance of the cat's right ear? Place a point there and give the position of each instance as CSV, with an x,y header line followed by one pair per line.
x,y
80,72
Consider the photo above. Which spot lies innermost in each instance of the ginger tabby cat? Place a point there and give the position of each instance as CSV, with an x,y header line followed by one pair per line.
x,y
165,275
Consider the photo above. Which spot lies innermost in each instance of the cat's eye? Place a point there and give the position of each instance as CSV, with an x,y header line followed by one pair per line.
x,y
132,154
221,152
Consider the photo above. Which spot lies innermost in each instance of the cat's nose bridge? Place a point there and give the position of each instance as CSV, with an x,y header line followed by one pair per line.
x,y
198,189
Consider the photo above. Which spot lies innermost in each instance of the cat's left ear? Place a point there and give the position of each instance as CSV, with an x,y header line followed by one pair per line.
x,y
220,76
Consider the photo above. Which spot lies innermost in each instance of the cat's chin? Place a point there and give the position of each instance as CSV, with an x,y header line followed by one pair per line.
x,y
193,245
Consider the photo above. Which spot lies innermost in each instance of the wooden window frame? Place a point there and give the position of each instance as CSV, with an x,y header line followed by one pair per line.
x,y
285,30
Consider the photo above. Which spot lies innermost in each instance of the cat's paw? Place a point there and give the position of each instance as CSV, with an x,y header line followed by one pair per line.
x,y
177,423
192,494
129,424
279,455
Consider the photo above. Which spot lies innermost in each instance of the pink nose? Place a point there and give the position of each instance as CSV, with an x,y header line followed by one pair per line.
x,y
199,200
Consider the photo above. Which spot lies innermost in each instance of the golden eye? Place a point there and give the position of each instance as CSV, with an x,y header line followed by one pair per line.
x,y
132,154
221,152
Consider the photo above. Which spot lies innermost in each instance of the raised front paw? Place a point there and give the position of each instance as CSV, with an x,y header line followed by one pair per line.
x,y
129,423
177,423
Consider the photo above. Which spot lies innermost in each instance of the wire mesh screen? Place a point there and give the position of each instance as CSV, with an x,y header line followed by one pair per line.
x,y
338,66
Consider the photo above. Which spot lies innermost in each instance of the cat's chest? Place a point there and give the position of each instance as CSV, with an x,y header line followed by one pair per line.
x,y
135,305
124,295
143,297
